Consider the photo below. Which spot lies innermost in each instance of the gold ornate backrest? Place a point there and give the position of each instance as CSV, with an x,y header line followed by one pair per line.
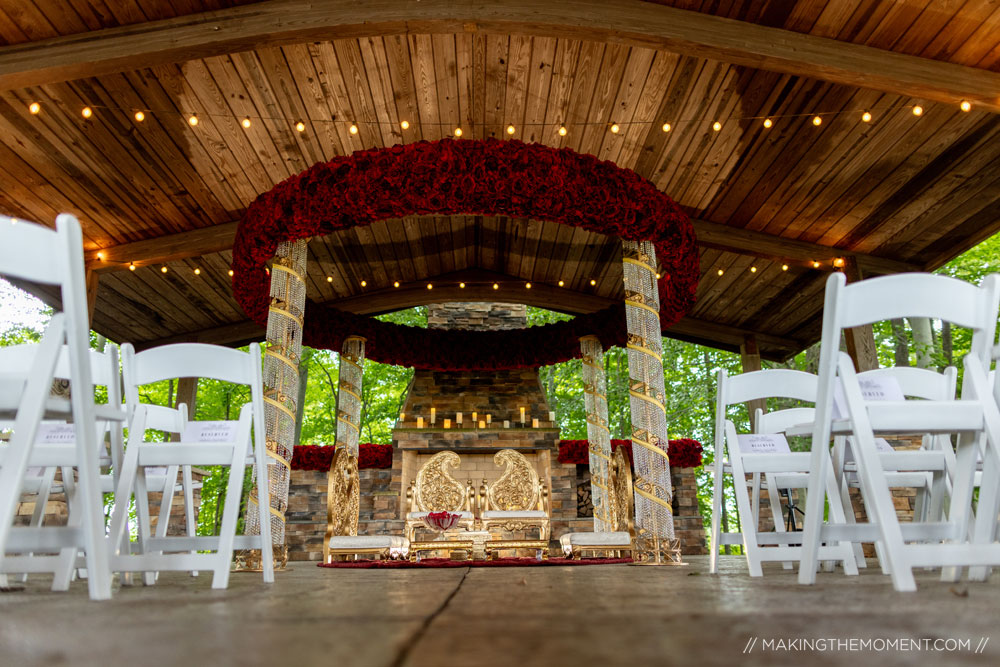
x,y
343,497
621,495
518,487
435,490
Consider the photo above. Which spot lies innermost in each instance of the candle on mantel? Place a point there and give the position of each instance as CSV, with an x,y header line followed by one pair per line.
x,y
482,424
447,423
522,415
552,417
506,423
433,415
534,423
458,418
402,417
475,416
420,422
489,419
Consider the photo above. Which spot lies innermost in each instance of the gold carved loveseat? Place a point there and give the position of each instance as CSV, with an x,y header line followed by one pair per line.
x,y
435,490
621,538
516,502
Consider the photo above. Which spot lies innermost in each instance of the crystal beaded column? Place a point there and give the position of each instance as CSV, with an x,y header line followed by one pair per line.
x,y
352,355
598,435
281,387
654,518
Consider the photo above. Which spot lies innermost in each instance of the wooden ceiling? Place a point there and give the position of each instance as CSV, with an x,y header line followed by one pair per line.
x,y
899,193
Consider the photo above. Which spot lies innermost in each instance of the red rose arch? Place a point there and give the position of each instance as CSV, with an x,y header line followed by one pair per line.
x,y
466,177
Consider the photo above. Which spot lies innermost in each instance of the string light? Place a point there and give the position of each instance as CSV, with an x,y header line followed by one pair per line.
x,y
784,267
87,112
666,127
139,116
230,273
839,262
405,124
720,272
592,282
716,126
966,105
768,123
461,285
131,266
866,117
300,126
364,283
163,269
430,286
496,286
815,265
197,272
562,130
527,285
246,123
561,283
458,131
753,269
918,110
395,283
329,279
657,276
510,129
817,121
353,129
100,256
34,108
614,128
193,119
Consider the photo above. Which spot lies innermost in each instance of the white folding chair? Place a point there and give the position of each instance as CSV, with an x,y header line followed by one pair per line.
x,y
235,449
975,418
784,469
40,255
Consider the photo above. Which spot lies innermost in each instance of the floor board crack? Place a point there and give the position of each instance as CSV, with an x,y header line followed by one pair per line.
x,y
415,638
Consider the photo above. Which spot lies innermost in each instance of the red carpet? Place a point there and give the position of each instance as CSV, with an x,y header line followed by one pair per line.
x,y
446,562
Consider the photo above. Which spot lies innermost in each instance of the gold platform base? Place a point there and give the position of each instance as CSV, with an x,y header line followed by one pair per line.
x,y
441,545
248,560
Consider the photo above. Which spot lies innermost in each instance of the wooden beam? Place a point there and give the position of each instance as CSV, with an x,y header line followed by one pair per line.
x,y
630,22
750,360
860,341
731,338
93,283
183,245
759,244
233,335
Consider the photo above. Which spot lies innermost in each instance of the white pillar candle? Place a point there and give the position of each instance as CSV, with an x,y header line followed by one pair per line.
x,y
458,418
447,423
482,424
433,415
506,424
402,417
475,416
420,422
522,415
489,420
534,423
552,417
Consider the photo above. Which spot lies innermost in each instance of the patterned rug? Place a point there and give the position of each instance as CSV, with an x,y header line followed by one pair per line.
x,y
447,562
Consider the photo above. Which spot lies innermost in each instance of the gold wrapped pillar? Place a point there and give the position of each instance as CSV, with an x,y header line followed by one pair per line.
x,y
281,388
352,355
653,494
598,435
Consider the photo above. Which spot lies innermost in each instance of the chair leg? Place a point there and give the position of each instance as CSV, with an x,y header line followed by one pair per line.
x,y
187,484
960,507
813,519
984,531
717,500
66,563
145,531
227,532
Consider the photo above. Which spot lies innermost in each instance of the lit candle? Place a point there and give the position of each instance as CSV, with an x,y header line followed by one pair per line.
x,y
433,415
552,417
522,416
402,417
458,418
506,424
447,423
482,424
475,416
534,423
489,419
420,422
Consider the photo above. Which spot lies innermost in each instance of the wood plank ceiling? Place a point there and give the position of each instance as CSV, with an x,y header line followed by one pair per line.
x,y
918,189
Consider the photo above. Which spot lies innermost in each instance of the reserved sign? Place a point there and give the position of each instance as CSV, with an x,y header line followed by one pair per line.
x,y
221,431
881,444
763,443
873,388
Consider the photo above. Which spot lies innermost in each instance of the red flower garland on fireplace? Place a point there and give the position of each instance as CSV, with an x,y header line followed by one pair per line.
x,y
487,177
319,457
683,453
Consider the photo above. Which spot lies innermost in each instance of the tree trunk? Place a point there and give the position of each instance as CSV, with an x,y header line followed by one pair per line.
x,y
946,344
902,343
923,341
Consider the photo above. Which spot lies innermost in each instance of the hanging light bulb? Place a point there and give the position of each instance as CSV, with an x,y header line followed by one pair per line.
x,y
395,283
753,269
666,127
839,262
353,129
817,121
193,119
87,112
562,130
561,283
918,110
716,126
815,265
461,285
430,286
614,128
364,283
197,272
496,286
721,272
405,124
100,256
163,269
784,267
527,285
300,126
34,108
139,116
131,266
329,279
246,123
866,117
966,105
658,276
230,273
458,131
592,282
768,123
510,129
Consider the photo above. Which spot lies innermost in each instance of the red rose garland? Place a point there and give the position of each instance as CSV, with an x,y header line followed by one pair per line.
x,y
487,177
683,453
319,457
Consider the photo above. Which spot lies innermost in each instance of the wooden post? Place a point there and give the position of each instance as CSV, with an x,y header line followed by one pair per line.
x,y
860,340
93,279
187,393
750,358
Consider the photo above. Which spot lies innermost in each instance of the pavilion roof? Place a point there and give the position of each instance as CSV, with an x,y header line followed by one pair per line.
x,y
899,193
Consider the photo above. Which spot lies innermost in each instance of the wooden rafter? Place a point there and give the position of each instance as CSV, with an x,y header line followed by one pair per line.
x,y
628,22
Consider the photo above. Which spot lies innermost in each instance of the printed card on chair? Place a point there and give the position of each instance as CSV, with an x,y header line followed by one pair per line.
x,y
879,388
764,443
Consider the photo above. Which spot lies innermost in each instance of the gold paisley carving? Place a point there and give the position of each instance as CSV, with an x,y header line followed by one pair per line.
x,y
621,495
436,490
343,497
517,488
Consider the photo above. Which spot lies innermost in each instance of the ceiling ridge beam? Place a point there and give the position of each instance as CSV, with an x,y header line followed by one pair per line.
x,y
631,22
